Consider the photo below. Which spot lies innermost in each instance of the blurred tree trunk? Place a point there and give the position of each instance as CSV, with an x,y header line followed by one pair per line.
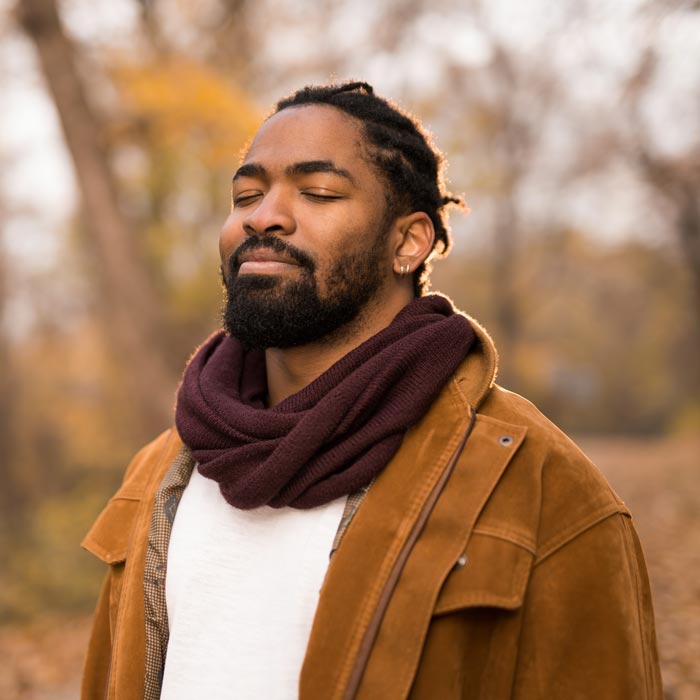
x,y
677,181
10,496
505,290
513,145
130,304
679,184
689,233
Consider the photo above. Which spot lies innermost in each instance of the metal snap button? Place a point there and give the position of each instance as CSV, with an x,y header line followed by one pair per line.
x,y
462,561
505,440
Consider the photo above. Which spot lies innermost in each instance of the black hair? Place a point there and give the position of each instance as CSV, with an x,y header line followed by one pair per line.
x,y
401,151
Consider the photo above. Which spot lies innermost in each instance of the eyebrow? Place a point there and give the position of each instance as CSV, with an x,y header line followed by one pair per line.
x,y
305,167
249,170
318,166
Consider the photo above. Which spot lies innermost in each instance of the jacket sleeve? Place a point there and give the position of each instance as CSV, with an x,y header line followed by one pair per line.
x,y
96,670
109,539
588,624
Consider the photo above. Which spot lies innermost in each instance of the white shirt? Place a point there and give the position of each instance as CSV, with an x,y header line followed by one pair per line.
x,y
241,590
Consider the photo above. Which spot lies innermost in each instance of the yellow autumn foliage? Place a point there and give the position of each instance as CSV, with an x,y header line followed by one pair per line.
x,y
188,105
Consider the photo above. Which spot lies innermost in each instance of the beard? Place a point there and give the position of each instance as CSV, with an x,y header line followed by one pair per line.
x,y
267,311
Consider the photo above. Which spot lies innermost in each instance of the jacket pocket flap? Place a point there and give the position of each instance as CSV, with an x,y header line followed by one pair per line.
x,y
492,573
109,536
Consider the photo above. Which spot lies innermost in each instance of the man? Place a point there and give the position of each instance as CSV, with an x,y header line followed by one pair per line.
x,y
349,506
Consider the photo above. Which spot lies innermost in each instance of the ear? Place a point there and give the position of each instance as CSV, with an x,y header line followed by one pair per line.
x,y
415,236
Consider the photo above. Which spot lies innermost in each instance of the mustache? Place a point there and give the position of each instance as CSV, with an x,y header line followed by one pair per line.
x,y
273,243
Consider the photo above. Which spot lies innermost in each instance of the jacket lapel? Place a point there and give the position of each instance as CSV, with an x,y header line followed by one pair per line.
x,y
444,539
128,660
362,565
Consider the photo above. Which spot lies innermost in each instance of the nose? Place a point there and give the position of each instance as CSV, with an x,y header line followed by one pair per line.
x,y
271,214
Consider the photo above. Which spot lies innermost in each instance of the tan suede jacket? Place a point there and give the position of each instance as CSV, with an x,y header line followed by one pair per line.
x,y
490,560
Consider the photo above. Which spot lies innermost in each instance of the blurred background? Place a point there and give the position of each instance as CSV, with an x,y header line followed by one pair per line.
x,y
572,128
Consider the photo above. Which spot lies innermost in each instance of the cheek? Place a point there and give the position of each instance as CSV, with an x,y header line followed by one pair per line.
x,y
353,250
231,237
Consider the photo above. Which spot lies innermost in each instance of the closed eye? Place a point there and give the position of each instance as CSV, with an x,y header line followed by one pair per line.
x,y
242,199
319,197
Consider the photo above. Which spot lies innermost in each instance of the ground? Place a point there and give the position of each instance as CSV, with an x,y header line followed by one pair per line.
x,y
658,479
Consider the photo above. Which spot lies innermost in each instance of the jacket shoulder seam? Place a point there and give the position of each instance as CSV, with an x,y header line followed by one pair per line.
x,y
578,528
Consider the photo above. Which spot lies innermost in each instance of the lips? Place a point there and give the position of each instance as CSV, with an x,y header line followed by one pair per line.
x,y
264,255
269,255
263,261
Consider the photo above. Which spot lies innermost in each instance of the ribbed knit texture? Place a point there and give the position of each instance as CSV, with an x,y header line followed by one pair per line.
x,y
334,436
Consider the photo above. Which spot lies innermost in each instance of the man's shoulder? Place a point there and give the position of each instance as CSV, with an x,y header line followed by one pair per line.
x,y
513,408
110,534
572,493
545,438
152,459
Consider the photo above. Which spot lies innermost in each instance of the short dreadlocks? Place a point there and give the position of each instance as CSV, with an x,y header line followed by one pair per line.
x,y
400,150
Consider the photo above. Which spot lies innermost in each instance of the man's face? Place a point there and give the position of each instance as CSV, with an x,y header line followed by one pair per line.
x,y
306,248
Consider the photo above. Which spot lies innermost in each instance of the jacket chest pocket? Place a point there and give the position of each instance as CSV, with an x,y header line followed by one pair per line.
x,y
492,573
470,648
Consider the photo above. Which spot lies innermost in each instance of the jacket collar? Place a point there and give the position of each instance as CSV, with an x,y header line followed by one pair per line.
x,y
477,374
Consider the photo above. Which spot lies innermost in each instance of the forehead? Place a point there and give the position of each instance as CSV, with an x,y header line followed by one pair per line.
x,y
309,132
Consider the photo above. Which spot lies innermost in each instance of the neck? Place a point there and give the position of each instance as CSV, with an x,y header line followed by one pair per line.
x,y
291,369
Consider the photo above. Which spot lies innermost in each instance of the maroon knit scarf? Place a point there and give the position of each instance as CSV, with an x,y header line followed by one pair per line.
x,y
335,435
